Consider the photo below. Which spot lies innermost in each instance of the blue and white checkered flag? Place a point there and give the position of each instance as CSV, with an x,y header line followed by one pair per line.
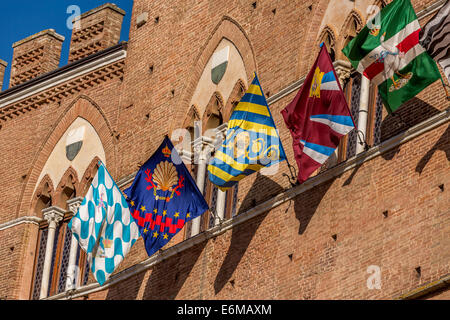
x,y
104,226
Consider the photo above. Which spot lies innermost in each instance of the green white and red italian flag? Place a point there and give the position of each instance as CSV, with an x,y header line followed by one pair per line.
x,y
389,54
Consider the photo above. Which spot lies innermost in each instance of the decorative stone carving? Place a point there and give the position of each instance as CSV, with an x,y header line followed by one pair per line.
x,y
53,214
185,155
343,69
202,146
74,204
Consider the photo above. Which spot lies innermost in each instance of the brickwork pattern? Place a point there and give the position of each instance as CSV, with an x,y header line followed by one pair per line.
x,y
39,55
97,31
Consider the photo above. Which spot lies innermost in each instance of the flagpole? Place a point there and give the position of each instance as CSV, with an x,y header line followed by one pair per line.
x,y
97,242
292,177
445,89
102,226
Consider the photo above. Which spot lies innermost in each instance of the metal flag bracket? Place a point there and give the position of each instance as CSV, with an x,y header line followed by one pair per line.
x,y
445,89
362,141
401,121
292,177
215,216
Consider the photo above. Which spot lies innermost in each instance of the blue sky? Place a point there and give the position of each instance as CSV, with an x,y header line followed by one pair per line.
x,y
22,18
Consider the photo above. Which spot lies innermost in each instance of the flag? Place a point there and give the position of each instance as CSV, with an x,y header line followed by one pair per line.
x,y
251,143
317,117
435,38
391,56
163,197
103,226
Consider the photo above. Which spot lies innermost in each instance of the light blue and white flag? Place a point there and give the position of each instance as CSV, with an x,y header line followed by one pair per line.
x,y
103,226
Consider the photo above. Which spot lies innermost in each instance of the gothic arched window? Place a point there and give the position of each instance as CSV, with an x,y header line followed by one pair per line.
x,y
328,37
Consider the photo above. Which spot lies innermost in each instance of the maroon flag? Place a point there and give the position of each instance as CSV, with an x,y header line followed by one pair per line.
x,y
317,117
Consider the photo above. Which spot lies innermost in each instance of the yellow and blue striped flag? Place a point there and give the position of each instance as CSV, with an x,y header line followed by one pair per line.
x,y
251,143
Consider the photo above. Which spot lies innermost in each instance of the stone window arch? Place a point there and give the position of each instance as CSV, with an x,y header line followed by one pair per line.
x,y
67,187
42,199
227,32
192,116
82,111
350,28
380,3
44,196
328,37
213,117
89,175
64,244
235,96
229,49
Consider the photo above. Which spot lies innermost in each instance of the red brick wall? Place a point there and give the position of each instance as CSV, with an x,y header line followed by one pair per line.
x,y
193,28
252,261
36,132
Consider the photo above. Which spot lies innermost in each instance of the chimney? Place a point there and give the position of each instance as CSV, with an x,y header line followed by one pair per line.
x,y
3,66
98,30
35,55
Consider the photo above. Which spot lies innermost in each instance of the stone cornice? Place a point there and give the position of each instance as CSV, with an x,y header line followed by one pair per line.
x,y
53,214
341,66
51,87
74,204
21,220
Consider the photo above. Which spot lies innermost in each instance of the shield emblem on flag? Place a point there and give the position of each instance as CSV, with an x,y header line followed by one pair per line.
x,y
219,64
74,141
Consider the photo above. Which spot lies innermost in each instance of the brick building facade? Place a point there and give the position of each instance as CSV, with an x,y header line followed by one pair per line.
x,y
376,211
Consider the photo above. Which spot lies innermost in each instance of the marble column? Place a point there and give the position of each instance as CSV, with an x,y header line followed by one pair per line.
x,y
220,206
362,115
221,195
202,150
343,70
73,205
53,215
